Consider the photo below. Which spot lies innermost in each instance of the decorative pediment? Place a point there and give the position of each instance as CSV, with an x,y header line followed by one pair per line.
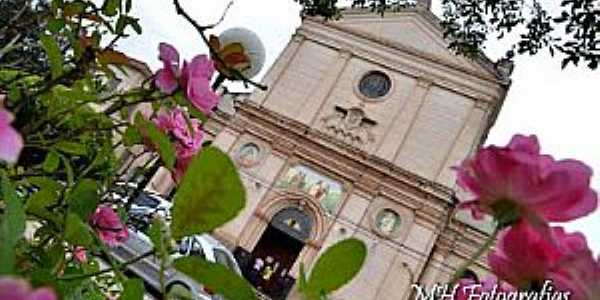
x,y
416,30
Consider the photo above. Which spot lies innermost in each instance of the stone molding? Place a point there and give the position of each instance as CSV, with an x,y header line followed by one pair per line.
x,y
291,138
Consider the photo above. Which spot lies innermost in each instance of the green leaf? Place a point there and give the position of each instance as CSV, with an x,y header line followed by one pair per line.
x,y
53,256
71,148
132,136
56,4
125,21
54,55
55,25
110,7
51,162
68,169
45,183
38,204
15,94
12,226
133,289
159,139
302,278
76,232
335,267
74,8
84,198
209,195
158,234
216,277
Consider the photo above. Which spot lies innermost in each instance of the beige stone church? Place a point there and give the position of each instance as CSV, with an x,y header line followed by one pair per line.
x,y
355,137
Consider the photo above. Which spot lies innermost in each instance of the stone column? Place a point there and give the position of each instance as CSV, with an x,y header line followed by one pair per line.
x,y
465,143
395,135
313,104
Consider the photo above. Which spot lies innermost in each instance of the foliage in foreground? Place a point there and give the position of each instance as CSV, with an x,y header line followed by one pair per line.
x,y
63,131
569,28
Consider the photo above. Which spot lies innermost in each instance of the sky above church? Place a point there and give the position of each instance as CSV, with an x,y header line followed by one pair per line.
x,y
560,106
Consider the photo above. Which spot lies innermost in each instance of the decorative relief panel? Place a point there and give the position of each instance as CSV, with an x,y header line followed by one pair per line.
x,y
326,191
350,125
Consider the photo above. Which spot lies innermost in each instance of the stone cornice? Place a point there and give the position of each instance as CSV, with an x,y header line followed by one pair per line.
x,y
293,138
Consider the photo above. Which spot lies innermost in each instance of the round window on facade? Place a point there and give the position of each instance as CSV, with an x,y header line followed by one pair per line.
x,y
375,85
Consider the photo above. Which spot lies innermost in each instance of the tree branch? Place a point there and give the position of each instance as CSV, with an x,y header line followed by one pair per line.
x,y
118,267
201,30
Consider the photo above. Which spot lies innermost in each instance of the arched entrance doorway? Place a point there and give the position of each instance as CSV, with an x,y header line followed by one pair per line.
x,y
277,251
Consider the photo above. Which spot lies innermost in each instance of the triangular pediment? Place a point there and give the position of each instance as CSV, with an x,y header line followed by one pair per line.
x,y
416,30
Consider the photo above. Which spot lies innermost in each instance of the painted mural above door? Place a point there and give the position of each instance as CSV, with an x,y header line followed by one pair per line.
x,y
326,191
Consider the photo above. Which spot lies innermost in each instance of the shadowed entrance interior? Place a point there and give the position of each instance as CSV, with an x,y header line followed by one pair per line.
x,y
277,251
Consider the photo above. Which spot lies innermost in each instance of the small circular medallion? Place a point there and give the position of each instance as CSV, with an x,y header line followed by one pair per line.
x,y
387,222
248,154
375,84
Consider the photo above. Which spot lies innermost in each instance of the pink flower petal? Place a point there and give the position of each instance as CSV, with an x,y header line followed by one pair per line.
x,y
109,227
42,294
535,186
11,142
13,289
166,81
169,56
195,79
527,144
17,289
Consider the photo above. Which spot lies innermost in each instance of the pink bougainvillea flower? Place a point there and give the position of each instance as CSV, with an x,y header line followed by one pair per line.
x,y
16,289
524,256
166,78
109,227
80,255
517,182
188,137
468,287
194,78
11,142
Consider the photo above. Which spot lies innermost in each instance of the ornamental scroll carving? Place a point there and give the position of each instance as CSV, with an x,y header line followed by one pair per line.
x,y
350,125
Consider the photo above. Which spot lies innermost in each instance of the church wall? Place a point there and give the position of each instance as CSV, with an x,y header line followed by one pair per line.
x,y
421,114
390,258
436,126
431,119
377,264
345,95
303,75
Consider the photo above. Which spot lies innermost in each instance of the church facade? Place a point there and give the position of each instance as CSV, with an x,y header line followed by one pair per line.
x,y
355,137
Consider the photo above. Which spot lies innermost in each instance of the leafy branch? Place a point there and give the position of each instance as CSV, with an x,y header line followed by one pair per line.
x,y
214,53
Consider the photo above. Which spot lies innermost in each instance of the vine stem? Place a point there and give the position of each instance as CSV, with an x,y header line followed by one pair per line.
x,y
119,267
485,247
214,53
